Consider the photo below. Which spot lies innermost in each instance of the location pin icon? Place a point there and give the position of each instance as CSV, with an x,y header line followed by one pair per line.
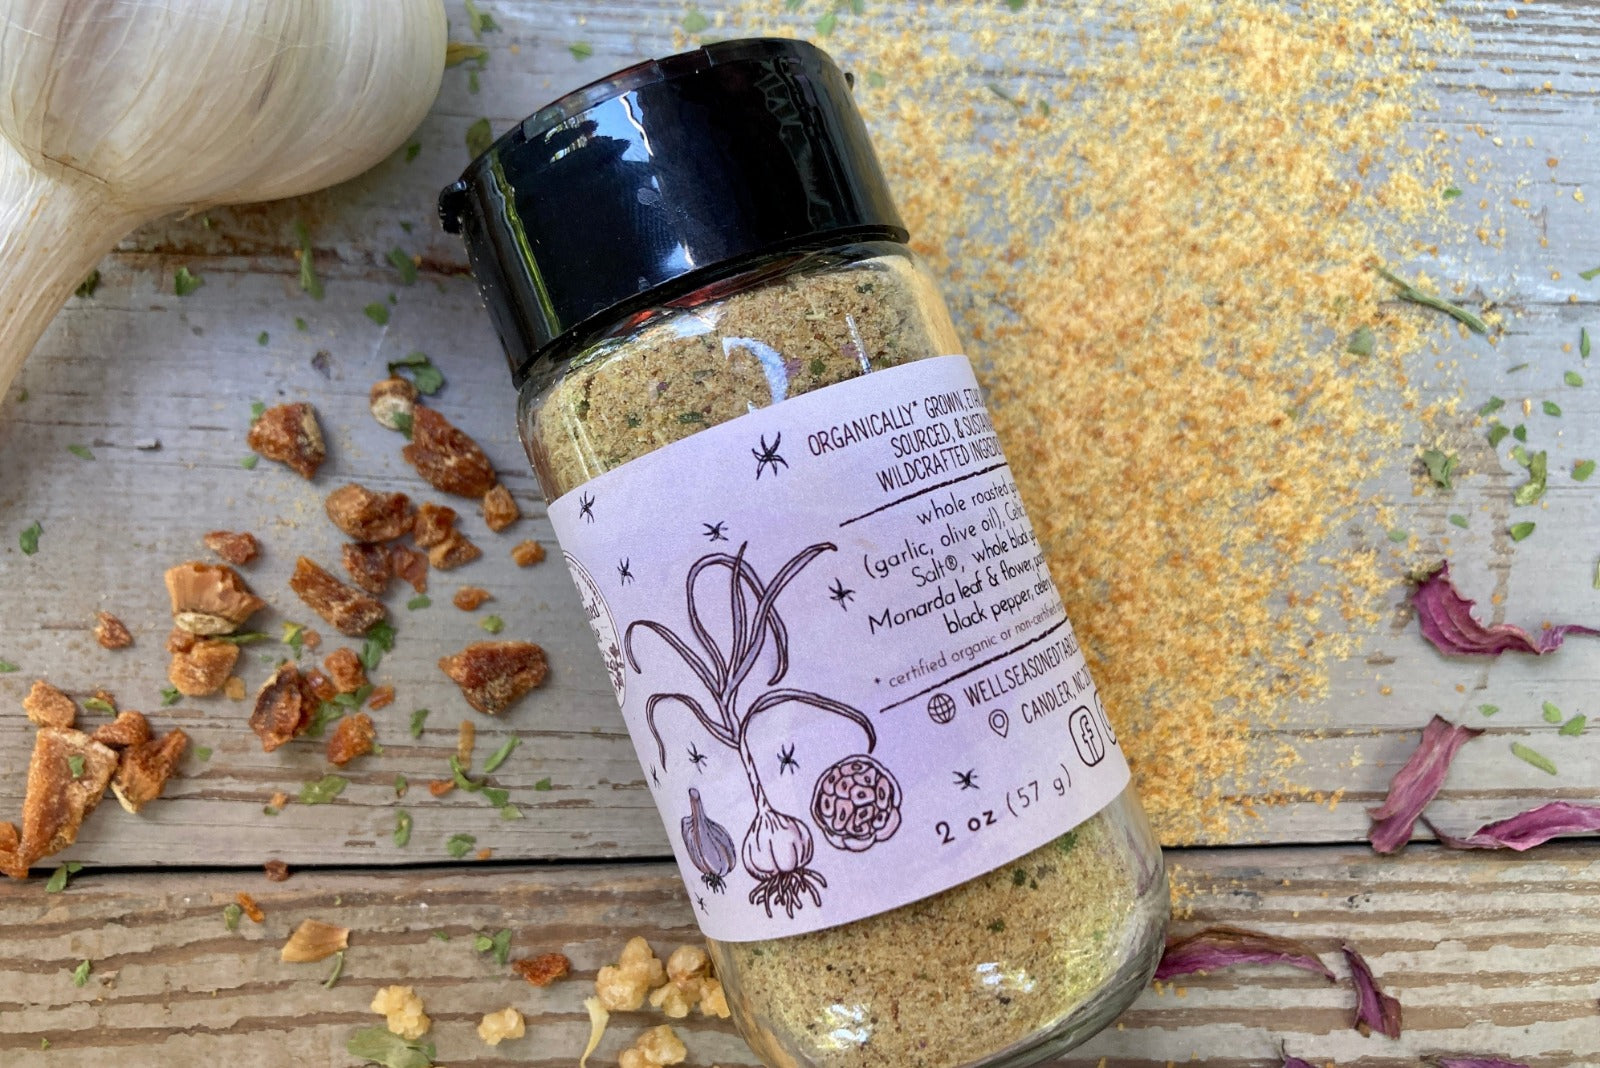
x,y
999,722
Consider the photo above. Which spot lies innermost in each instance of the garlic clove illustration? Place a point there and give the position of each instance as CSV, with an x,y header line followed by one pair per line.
x,y
118,112
710,846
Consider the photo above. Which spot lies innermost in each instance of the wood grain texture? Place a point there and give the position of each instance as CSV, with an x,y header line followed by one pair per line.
x,y
1487,954
136,365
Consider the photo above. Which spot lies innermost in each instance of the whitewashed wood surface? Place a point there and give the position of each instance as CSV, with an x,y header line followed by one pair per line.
x,y
137,364
1488,955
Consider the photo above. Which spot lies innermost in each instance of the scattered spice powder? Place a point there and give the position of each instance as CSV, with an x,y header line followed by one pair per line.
x,y
1098,282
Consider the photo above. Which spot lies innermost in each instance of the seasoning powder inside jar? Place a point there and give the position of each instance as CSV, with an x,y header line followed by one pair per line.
x,y
900,809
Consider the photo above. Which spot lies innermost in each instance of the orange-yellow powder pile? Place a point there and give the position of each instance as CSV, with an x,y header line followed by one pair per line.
x,y
1157,224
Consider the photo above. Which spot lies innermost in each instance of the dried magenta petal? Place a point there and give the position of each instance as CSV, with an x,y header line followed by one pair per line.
x,y
1416,784
1447,621
1527,829
1375,1010
1476,1062
1223,946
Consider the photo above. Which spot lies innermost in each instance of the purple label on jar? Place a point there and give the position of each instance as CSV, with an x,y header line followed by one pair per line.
x,y
831,630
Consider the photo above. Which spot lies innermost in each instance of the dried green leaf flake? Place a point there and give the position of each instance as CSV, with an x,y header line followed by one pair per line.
x,y
1519,531
1441,467
580,50
382,1046
418,717
202,753
423,374
80,974
59,877
87,287
75,765
542,785
99,704
402,828
338,969
1534,757
826,24
1408,292
29,539
1574,726
1590,275
1538,475
404,264
492,624
263,337
1520,432
1397,535
379,640
1572,378
480,21
230,916
498,943
1451,192
309,282
1552,714
459,845
1492,405
695,21
7,667
81,452
499,756
170,696
1551,408
1497,434
323,790
1583,342
1488,710
378,312
1362,342
422,600
1582,470
249,462
185,281
1458,520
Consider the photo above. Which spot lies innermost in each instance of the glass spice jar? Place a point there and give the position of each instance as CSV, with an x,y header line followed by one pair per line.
x,y
901,813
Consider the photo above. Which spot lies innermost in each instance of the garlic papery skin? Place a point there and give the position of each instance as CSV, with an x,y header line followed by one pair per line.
x,y
118,112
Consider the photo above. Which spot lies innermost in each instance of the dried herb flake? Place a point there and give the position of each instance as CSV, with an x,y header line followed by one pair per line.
x,y
1458,520
1551,408
479,138
185,281
379,640
81,452
1538,474
402,827
1552,714
230,916
1534,757
492,624
378,312
1573,727
404,264
459,845
382,1046
695,21
29,539
417,719
58,878
1582,470
322,791
581,50
499,756
1441,467
1572,378
1362,341
422,600
499,943
170,696
1408,292
1520,531
423,374
80,974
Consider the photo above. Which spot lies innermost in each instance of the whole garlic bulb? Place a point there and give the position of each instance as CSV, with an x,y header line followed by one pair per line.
x,y
118,112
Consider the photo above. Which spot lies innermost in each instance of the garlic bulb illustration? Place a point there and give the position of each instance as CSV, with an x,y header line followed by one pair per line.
x,y
710,846
777,851
856,804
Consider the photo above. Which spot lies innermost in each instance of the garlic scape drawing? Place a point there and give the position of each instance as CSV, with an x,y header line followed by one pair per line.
x,y
778,848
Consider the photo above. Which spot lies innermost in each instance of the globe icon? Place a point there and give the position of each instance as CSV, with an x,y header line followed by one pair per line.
x,y
941,708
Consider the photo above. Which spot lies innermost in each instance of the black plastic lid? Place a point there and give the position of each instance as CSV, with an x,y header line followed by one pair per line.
x,y
648,184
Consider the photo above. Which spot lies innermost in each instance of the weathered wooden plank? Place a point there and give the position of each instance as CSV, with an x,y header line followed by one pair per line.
x,y
137,363
1488,954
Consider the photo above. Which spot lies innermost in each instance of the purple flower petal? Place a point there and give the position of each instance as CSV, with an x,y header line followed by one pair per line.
x,y
1416,784
1296,1062
1476,1062
1220,947
1528,829
1447,621
1375,1010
